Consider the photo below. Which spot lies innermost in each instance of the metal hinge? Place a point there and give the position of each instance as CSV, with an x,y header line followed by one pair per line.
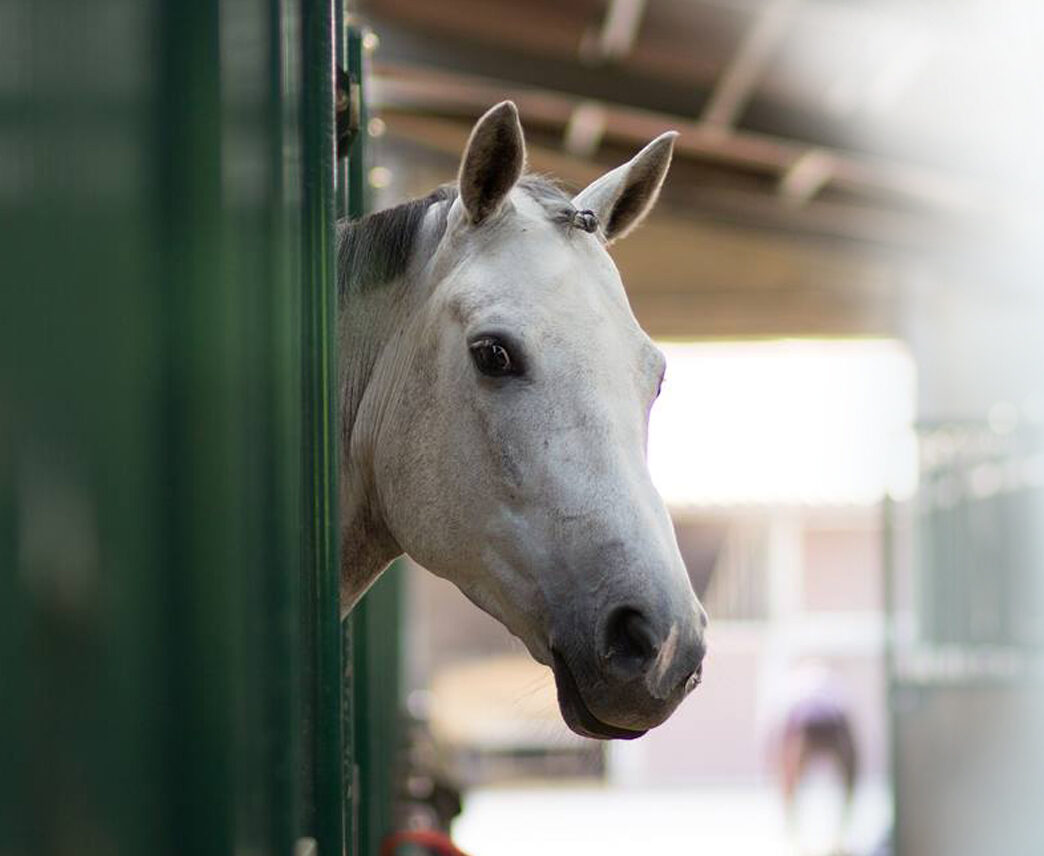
x,y
349,111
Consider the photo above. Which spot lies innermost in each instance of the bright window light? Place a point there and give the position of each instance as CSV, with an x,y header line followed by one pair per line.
x,y
815,422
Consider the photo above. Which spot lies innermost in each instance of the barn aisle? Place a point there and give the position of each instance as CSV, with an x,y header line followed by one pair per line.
x,y
724,821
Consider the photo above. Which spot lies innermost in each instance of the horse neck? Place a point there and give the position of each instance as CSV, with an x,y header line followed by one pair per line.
x,y
368,324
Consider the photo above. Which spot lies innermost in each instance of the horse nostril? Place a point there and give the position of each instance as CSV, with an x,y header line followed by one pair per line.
x,y
630,640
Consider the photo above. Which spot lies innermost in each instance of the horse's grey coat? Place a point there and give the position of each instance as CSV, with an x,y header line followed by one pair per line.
x,y
376,250
530,492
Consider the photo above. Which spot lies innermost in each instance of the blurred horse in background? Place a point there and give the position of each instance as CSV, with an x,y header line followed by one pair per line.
x,y
815,749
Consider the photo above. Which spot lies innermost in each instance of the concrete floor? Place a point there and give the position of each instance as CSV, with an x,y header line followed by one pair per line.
x,y
555,820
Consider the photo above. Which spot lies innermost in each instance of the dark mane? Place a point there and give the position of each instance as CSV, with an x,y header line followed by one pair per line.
x,y
378,248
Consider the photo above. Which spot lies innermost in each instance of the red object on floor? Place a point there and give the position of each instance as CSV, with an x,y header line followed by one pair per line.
x,y
437,842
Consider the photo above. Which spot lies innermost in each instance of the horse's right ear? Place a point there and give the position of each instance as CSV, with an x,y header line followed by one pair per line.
x,y
493,161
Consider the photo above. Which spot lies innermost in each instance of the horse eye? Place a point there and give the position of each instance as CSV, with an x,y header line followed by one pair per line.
x,y
492,358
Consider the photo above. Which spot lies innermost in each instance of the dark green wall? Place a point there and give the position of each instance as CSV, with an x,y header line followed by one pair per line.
x,y
170,645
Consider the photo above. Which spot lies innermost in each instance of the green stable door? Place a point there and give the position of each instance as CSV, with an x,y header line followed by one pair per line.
x,y
172,669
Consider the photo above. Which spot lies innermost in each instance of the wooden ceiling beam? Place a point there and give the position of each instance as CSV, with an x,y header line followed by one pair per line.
x,y
738,80
407,88
719,200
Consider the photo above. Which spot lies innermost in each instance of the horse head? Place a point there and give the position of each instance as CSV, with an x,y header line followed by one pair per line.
x,y
507,422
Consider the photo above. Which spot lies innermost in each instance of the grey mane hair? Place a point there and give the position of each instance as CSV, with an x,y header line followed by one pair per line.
x,y
378,249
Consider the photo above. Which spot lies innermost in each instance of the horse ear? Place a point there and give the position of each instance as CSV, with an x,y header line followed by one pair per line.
x,y
622,197
493,161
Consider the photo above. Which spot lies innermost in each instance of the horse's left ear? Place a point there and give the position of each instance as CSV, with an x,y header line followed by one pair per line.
x,y
622,197
493,161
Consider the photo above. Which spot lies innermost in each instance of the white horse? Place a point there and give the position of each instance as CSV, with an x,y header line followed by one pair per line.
x,y
495,393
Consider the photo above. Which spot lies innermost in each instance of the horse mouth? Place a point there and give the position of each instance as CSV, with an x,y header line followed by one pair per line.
x,y
575,711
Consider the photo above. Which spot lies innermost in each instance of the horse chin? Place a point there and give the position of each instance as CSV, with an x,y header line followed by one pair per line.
x,y
538,650
576,713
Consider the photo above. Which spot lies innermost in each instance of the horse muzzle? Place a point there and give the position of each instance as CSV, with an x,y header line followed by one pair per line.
x,y
633,679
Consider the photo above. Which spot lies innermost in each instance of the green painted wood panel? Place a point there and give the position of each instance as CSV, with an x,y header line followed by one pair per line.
x,y
169,633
